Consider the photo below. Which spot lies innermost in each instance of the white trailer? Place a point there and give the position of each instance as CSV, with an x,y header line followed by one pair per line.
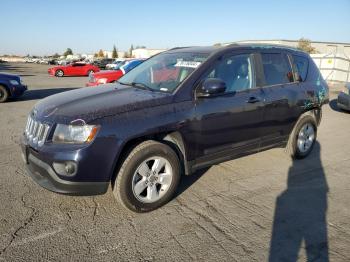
x,y
333,67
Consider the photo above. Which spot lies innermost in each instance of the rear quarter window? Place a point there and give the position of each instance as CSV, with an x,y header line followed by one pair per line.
x,y
301,65
277,69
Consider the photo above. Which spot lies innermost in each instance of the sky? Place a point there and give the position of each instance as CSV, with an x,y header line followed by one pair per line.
x,y
44,27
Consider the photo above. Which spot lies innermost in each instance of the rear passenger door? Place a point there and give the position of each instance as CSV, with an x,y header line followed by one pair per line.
x,y
281,92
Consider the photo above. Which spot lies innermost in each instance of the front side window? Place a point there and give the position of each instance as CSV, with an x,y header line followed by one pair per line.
x,y
164,72
277,69
301,65
235,71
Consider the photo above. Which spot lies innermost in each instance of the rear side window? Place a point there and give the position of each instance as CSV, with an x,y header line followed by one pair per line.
x,y
301,65
277,69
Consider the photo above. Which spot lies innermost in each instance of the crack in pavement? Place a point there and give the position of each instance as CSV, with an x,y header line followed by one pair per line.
x,y
27,221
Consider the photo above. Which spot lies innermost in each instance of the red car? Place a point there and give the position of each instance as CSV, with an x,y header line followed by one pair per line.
x,y
113,75
75,69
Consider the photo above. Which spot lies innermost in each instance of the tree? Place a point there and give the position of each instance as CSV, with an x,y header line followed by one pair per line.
x,y
217,44
56,55
100,53
68,52
115,52
96,55
126,55
130,50
305,45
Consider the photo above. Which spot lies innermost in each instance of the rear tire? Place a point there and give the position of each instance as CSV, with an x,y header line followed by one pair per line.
x,y
4,94
59,73
148,177
302,139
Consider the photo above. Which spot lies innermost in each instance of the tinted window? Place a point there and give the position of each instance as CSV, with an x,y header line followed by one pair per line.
x,y
77,64
301,65
235,71
276,69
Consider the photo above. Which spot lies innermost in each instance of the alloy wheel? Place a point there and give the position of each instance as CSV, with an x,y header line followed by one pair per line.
x,y
152,179
306,137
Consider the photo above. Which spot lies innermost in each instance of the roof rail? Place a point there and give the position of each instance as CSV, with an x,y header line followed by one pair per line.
x,y
179,47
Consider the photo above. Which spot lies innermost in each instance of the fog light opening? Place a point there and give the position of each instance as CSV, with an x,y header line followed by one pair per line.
x,y
67,168
70,168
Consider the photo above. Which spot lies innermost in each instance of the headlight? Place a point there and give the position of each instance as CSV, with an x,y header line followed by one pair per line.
x,y
102,80
14,82
78,134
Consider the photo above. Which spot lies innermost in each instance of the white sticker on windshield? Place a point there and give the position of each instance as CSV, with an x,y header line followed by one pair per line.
x,y
191,64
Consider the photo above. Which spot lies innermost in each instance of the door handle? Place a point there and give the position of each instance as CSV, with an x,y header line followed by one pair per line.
x,y
253,100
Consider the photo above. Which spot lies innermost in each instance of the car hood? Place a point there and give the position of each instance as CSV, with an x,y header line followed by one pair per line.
x,y
8,76
89,104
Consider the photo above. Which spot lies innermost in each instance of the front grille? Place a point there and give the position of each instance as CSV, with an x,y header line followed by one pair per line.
x,y
36,132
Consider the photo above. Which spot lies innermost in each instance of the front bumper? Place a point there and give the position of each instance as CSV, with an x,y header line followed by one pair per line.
x,y
51,72
343,101
17,91
43,174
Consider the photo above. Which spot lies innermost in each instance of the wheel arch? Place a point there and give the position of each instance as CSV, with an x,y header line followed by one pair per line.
x,y
173,139
315,112
59,69
6,87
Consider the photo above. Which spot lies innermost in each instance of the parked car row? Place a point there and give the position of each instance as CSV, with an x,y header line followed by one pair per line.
x,y
45,61
101,63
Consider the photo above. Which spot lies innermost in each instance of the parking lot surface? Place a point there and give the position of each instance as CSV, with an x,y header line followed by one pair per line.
x,y
255,208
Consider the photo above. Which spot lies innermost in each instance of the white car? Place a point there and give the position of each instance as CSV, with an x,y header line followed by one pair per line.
x,y
115,64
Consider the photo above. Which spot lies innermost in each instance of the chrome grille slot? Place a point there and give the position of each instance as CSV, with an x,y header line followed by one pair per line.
x,y
36,132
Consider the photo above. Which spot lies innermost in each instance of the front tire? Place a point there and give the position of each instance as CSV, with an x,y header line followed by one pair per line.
x,y
4,95
59,73
148,177
302,139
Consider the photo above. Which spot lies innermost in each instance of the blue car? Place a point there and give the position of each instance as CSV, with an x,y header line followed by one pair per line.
x,y
11,86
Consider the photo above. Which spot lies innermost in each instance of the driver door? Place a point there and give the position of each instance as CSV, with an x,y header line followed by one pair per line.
x,y
228,125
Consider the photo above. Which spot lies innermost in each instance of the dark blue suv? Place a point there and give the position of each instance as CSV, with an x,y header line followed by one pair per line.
x,y
11,86
177,112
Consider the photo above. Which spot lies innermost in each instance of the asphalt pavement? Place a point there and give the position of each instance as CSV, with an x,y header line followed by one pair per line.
x,y
260,207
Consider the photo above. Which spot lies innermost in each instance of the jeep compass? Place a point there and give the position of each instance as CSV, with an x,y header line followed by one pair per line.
x,y
179,111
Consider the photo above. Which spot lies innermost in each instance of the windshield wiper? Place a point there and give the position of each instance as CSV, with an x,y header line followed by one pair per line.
x,y
137,85
141,85
124,84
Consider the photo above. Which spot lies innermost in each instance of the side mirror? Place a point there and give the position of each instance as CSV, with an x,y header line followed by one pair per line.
x,y
211,87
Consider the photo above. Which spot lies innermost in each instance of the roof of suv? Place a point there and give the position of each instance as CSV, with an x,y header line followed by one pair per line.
x,y
213,49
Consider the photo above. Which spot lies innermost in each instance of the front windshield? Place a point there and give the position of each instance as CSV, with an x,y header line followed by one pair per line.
x,y
164,72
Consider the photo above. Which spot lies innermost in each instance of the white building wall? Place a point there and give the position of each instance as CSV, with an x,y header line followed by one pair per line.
x,y
145,53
